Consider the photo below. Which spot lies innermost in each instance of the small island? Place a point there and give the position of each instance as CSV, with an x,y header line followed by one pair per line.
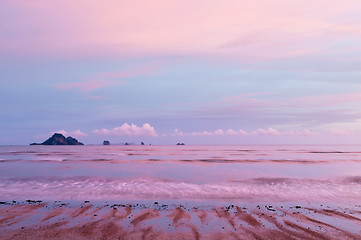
x,y
59,139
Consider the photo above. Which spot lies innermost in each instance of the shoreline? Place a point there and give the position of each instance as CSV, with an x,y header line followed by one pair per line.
x,y
35,219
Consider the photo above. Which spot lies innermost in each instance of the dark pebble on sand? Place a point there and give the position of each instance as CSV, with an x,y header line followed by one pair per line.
x,y
269,208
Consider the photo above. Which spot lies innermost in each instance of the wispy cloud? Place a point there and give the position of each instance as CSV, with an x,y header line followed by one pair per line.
x,y
326,100
308,111
341,132
128,130
259,132
112,78
87,85
178,133
267,29
218,132
147,68
274,132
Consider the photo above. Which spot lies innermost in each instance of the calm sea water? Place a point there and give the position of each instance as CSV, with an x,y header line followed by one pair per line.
x,y
194,173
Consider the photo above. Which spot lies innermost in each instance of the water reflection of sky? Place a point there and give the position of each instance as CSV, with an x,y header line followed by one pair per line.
x,y
181,172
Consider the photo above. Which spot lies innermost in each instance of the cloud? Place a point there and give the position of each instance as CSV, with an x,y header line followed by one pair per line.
x,y
338,132
76,133
259,132
268,131
128,130
177,133
141,70
274,132
325,100
267,29
218,132
242,132
310,111
304,132
104,79
231,132
87,85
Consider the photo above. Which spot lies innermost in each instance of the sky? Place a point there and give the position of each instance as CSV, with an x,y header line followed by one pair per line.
x,y
198,72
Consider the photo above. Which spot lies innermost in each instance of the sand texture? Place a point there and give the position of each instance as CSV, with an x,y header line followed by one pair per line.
x,y
87,220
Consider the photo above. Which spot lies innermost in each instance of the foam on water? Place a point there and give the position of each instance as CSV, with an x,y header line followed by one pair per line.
x,y
146,188
197,173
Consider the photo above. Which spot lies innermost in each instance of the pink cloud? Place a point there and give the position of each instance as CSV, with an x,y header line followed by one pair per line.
x,y
274,132
103,79
244,102
178,133
338,132
304,132
306,110
233,105
144,69
268,131
218,132
76,133
243,133
265,30
128,130
87,85
247,100
231,132
259,132
326,100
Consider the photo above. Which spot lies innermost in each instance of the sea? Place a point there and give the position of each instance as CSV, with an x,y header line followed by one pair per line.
x,y
229,173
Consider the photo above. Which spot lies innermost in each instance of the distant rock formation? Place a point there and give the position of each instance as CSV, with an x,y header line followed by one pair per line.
x,y
59,139
180,144
105,142
73,141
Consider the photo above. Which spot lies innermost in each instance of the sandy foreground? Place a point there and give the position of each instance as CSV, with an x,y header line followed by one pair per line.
x,y
94,220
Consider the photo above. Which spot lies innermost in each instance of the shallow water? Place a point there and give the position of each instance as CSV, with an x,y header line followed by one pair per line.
x,y
195,173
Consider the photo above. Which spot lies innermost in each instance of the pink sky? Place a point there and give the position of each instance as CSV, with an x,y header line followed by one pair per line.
x,y
234,69
255,30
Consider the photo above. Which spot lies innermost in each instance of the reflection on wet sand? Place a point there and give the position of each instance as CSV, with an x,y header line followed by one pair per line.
x,y
188,192
57,220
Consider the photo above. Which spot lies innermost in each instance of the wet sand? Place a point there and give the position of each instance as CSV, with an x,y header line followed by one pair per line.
x,y
94,220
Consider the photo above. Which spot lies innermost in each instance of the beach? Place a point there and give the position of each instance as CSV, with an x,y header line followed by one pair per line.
x,y
180,192
61,220
180,119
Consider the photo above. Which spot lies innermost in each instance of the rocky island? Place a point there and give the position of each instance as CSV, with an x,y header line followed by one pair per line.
x,y
59,139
